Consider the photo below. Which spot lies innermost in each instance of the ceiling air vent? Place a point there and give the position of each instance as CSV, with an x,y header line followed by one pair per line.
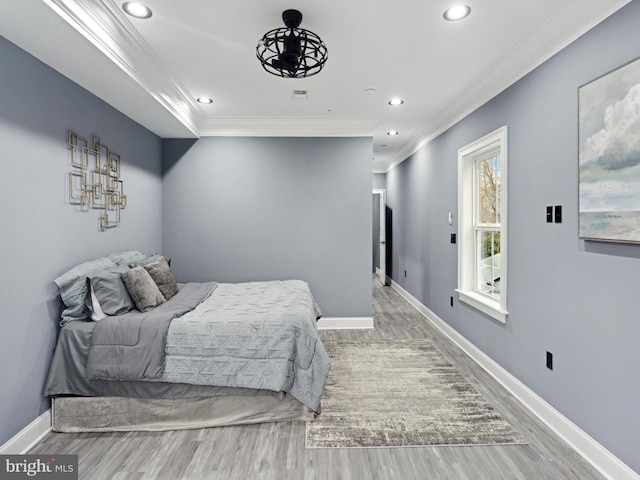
x,y
300,94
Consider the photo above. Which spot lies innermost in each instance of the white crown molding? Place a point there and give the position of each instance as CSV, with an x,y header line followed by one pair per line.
x,y
610,466
26,438
535,48
106,26
289,127
109,29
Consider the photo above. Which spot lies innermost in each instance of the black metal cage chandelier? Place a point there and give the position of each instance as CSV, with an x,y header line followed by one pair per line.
x,y
291,51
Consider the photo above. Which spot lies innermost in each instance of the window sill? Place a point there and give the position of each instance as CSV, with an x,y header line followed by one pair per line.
x,y
484,304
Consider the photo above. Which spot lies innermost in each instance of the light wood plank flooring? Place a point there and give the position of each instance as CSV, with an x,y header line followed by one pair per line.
x,y
277,451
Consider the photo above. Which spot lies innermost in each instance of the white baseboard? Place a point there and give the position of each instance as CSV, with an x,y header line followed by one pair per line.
x,y
346,323
26,438
599,457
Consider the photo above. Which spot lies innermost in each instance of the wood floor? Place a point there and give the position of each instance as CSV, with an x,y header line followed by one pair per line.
x,y
277,451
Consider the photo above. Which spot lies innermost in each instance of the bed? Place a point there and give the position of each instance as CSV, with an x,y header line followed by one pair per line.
x,y
189,355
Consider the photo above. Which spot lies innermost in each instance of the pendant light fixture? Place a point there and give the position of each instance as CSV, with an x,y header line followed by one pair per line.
x,y
290,51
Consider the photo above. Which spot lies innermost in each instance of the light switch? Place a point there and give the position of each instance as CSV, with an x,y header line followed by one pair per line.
x,y
558,213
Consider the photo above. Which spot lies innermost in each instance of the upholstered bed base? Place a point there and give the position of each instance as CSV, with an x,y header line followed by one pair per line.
x,y
120,414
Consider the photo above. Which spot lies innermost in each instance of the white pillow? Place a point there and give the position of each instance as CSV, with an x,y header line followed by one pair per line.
x,y
96,310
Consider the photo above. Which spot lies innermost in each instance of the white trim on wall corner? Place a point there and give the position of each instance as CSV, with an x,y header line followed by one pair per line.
x,y
599,457
346,323
387,278
26,438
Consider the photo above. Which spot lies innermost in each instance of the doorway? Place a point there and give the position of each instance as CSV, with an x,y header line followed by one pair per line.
x,y
379,235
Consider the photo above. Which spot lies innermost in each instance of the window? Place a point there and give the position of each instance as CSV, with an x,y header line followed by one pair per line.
x,y
482,224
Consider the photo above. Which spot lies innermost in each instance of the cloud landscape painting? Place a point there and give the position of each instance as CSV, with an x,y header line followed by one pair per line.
x,y
609,164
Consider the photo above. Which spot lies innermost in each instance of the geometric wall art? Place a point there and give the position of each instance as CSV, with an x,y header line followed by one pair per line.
x,y
609,156
94,181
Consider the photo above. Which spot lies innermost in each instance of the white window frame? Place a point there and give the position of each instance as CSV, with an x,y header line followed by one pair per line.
x,y
467,247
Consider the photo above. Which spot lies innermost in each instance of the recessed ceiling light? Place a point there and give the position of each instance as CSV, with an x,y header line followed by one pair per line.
x,y
137,10
457,12
370,91
393,132
394,102
205,100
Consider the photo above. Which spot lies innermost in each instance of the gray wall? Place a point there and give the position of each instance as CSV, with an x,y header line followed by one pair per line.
x,y
379,181
574,298
43,236
243,209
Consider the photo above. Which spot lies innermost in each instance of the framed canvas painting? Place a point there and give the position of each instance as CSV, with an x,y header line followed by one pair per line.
x,y
609,156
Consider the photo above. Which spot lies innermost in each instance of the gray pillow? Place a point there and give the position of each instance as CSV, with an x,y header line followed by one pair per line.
x,y
125,258
141,262
161,274
111,292
142,289
73,288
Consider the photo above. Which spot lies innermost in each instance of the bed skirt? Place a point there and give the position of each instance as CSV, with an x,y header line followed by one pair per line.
x,y
120,414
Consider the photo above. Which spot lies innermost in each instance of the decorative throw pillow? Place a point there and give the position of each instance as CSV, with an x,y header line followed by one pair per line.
x,y
161,274
73,288
142,289
110,291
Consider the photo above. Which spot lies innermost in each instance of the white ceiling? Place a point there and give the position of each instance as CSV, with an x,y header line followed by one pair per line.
x,y
153,70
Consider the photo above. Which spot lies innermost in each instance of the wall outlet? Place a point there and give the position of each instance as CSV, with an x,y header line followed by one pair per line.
x,y
453,238
549,214
550,360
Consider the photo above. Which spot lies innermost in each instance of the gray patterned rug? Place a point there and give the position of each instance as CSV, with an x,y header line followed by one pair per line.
x,y
401,393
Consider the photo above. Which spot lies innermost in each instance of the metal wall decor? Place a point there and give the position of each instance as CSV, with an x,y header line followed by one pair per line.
x,y
94,181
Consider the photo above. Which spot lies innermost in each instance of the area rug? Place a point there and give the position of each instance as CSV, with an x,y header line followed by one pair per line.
x,y
401,393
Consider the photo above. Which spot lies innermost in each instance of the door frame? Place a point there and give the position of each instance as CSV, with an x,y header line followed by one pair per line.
x,y
383,233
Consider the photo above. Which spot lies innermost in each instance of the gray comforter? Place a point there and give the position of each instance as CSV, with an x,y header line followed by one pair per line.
x,y
252,335
258,335
131,346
